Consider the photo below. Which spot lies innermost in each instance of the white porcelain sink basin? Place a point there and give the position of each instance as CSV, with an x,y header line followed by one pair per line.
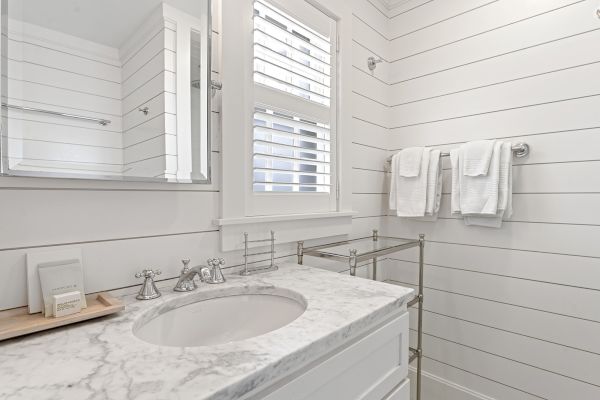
x,y
220,320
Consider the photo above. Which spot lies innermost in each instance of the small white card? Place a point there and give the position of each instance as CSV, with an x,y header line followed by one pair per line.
x,y
58,278
34,290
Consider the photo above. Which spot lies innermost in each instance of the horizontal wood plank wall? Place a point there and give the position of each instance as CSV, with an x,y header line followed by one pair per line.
x,y
58,72
149,82
124,227
370,120
512,313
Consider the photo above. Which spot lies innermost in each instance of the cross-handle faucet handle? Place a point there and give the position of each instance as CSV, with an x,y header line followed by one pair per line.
x,y
215,262
216,275
148,273
148,290
186,265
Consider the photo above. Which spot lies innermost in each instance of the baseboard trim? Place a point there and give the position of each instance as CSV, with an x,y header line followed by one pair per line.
x,y
436,388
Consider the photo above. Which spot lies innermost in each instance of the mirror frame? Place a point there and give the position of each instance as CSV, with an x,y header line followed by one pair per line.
x,y
5,171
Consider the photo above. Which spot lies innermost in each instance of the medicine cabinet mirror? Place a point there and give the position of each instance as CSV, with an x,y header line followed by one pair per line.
x,y
111,89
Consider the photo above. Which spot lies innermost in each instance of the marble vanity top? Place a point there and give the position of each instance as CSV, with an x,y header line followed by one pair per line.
x,y
103,359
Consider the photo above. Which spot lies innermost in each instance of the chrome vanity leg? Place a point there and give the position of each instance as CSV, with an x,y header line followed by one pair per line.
x,y
420,327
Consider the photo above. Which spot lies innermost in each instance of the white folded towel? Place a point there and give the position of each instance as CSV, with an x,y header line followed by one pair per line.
x,y
411,192
479,194
434,185
455,155
395,174
504,192
410,161
477,156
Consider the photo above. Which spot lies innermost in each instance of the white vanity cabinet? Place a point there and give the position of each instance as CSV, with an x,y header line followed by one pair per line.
x,y
372,366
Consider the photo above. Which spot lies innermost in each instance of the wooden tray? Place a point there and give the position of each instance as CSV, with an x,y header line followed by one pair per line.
x,y
19,322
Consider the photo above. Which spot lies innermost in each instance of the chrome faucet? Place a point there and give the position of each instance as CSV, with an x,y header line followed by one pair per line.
x,y
211,274
186,285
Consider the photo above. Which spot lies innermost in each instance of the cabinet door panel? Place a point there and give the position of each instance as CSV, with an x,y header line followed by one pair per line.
x,y
368,369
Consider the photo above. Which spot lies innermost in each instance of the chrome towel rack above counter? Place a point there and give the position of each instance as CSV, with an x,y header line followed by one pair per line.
x,y
100,121
520,150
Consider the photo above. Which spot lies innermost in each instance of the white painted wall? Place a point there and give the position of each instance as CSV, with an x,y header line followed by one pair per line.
x,y
124,227
512,313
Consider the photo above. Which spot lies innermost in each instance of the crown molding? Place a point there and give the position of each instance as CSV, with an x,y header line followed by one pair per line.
x,y
391,4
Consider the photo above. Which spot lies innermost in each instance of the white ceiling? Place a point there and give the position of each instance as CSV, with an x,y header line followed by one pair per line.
x,y
107,22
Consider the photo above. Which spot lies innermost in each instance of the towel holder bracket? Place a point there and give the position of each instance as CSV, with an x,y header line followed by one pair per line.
x,y
521,150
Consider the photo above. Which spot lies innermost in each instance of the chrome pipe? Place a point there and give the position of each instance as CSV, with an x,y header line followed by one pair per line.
x,y
420,323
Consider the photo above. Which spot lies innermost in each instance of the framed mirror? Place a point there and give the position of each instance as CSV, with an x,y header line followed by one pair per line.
x,y
110,90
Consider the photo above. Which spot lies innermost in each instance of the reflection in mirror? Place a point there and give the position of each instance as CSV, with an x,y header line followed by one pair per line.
x,y
106,89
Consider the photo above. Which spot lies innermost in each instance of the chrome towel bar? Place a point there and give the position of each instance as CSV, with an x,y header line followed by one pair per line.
x,y
100,121
520,150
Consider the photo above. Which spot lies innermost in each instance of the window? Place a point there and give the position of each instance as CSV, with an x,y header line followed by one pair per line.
x,y
294,122
286,128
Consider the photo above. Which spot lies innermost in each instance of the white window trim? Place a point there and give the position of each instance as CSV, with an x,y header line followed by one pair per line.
x,y
237,121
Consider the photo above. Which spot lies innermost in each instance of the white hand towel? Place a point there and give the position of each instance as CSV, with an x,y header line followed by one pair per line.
x,y
411,192
479,194
505,183
455,198
394,174
477,156
410,161
434,183
504,193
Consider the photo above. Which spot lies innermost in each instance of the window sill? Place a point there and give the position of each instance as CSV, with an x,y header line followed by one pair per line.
x,y
306,227
278,218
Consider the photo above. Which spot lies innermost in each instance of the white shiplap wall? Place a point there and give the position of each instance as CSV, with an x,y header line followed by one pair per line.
x,y
369,136
512,313
149,82
123,227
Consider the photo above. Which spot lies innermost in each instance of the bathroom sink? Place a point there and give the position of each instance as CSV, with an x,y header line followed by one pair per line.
x,y
220,320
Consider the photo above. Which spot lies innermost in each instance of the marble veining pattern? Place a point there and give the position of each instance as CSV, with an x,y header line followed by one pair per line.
x,y
103,359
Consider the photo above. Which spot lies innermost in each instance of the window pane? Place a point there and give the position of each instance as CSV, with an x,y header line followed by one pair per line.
x,y
288,157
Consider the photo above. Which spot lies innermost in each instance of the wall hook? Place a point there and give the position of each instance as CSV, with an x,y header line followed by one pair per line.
x,y
598,12
145,110
372,62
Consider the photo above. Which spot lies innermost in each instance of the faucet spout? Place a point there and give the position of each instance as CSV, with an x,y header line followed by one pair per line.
x,y
186,279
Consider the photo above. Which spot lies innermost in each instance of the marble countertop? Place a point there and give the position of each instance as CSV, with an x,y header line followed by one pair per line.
x,y
103,359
